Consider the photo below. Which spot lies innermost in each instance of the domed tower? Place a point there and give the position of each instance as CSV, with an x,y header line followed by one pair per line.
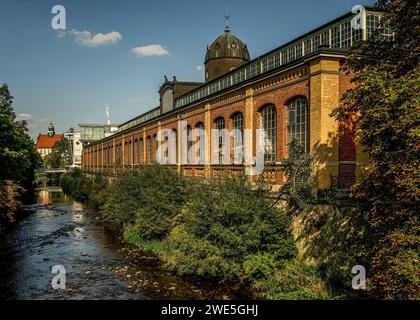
x,y
225,54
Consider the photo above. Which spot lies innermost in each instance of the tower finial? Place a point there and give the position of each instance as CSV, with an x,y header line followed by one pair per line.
x,y
227,19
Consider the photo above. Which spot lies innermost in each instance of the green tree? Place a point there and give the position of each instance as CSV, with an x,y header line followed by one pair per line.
x,y
386,103
149,199
18,157
76,184
10,196
60,154
225,222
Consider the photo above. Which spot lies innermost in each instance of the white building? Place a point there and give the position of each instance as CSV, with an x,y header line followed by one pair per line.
x,y
76,147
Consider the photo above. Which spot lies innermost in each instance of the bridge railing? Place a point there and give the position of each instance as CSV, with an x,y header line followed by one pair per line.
x,y
51,170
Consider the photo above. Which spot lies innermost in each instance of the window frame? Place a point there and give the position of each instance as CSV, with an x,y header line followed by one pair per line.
x,y
220,125
299,128
238,124
268,116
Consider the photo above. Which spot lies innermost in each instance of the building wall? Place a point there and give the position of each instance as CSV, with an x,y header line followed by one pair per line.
x,y
319,80
44,152
218,67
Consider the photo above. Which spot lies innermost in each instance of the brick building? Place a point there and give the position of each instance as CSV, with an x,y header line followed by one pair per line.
x,y
287,93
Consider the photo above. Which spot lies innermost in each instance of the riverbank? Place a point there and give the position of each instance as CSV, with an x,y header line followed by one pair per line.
x,y
224,229
98,264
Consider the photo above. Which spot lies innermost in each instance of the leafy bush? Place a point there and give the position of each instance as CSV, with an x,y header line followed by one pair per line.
x,y
123,200
10,193
187,254
99,191
224,221
338,239
294,281
259,266
131,235
149,200
163,194
225,228
384,102
76,184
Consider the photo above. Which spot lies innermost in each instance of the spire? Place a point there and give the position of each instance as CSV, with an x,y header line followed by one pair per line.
x,y
227,29
51,130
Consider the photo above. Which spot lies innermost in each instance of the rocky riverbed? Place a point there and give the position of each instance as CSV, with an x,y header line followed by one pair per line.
x,y
97,264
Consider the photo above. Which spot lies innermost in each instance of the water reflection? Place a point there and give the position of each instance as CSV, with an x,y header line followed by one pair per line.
x,y
77,206
59,231
52,195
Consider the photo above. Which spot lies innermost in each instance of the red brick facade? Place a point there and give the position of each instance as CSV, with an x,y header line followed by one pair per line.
x,y
130,147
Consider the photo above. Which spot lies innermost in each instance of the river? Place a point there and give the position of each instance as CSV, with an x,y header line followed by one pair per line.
x,y
59,231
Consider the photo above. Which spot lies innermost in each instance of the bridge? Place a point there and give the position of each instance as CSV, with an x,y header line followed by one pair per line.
x,y
45,177
51,170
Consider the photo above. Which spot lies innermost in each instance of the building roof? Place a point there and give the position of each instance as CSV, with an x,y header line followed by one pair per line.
x,y
283,55
227,46
280,57
99,125
44,141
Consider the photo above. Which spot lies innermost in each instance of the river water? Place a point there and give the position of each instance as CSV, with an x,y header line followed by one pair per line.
x,y
59,231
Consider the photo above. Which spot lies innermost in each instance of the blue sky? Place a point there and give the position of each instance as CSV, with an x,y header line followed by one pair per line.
x,y
68,77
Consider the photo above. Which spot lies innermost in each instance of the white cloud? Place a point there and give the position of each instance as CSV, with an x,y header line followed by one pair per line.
x,y
35,125
88,39
33,122
150,50
199,67
23,116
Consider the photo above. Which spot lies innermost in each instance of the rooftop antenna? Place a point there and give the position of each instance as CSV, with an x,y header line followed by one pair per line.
x,y
107,110
227,19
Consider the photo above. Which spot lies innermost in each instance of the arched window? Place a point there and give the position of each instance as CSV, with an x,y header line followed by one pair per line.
x,y
141,150
156,146
176,145
297,122
220,126
238,136
130,153
119,154
189,144
269,127
166,143
126,153
201,142
149,150
136,151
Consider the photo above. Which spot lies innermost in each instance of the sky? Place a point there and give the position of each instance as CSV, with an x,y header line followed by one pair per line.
x,y
116,53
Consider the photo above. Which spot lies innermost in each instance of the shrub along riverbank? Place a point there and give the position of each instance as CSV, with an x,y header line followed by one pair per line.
x,y
18,160
223,228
